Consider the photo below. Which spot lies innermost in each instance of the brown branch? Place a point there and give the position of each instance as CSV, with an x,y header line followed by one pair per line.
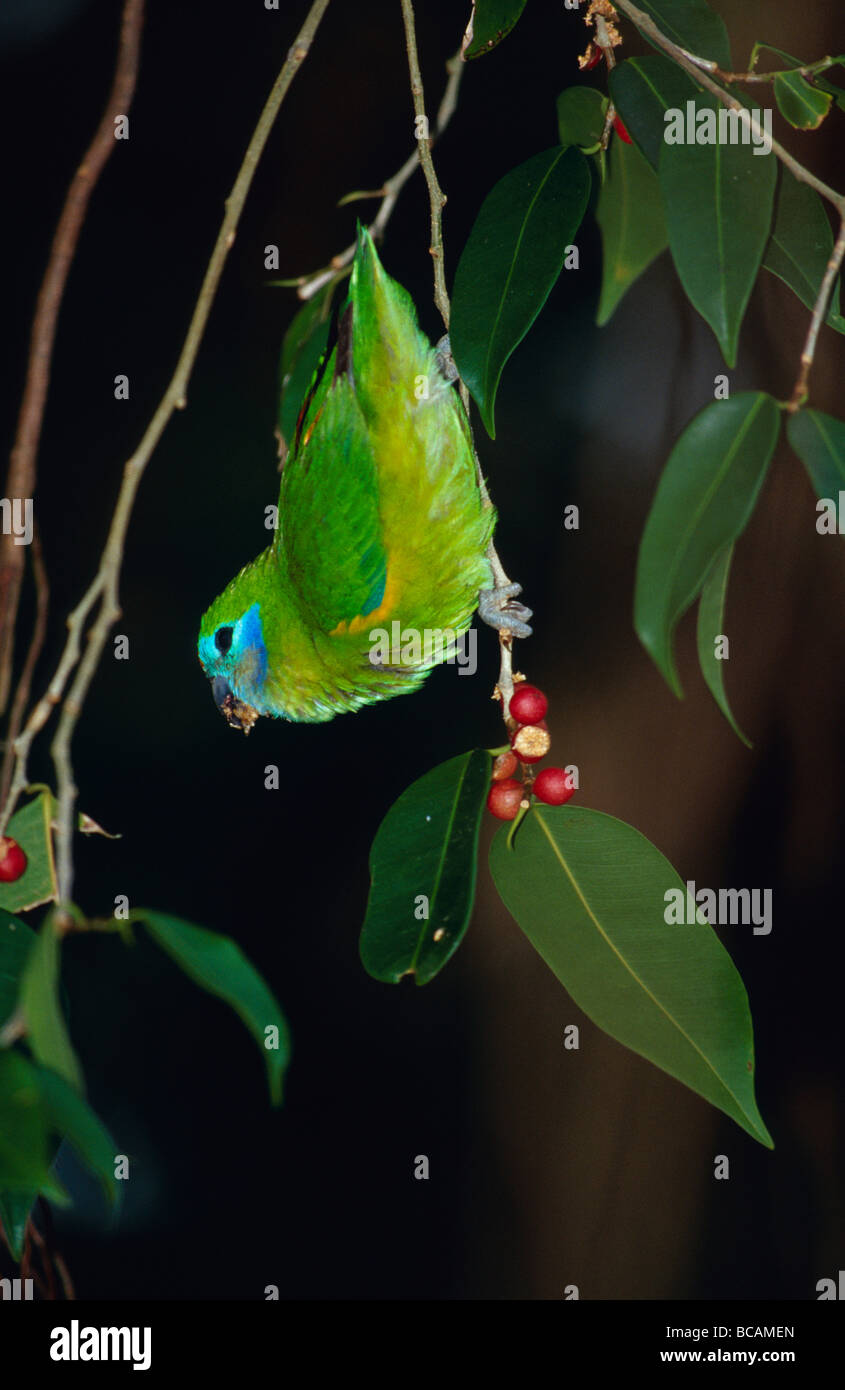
x,y
799,394
22,465
695,67
39,632
309,285
104,586
437,198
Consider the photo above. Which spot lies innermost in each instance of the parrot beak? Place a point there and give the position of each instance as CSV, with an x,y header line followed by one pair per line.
x,y
237,713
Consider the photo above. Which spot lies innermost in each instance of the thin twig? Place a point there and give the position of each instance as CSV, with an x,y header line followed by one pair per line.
x,y
437,198
694,66
39,632
799,394
22,465
104,586
309,285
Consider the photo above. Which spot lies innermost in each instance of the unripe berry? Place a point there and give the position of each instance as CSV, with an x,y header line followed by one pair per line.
x,y
505,797
504,766
531,742
12,860
553,785
528,704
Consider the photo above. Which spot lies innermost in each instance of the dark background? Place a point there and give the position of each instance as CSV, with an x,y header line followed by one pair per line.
x,y
547,1167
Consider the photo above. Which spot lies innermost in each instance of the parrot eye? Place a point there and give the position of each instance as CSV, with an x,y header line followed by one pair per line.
x,y
223,639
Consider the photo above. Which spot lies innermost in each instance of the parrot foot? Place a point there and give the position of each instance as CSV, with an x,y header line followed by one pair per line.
x,y
444,359
499,609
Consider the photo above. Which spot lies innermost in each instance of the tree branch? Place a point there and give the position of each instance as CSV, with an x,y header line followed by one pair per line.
x,y
697,68
21,477
104,586
309,285
437,198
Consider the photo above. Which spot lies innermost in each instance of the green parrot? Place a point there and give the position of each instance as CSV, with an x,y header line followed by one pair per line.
x,y
380,522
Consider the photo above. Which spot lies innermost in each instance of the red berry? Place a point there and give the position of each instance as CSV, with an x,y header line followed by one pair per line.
x,y
619,127
553,785
504,798
593,59
528,704
531,742
12,860
504,766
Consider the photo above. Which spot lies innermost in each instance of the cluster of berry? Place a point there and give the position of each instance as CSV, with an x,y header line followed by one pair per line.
x,y
530,742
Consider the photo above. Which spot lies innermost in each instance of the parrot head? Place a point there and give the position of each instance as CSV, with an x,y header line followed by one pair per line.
x,y
233,652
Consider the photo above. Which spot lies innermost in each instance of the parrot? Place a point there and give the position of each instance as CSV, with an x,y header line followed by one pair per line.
x,y
381,520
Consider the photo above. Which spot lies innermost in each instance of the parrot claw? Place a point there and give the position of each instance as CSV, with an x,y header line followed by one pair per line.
x,y
444,359
497,608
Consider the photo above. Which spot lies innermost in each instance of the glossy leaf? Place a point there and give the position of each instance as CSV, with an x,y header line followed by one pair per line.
x,y
819,441
581,113
799,103
302,347
30,826
718,205
711,627
630,216
643,89
219,965
25,1147
423,869
16,941
801,245
512,259
46,1031
693,25
492,22
71,1118
590,892
704,499
14,1214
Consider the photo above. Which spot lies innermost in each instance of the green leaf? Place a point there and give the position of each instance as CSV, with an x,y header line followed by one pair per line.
x,y
643,89
633,229
46,1031
512,259
71,1117
801,245
711,625
423,860
14,1214
590,893
799,103
25,1147
819,442
692,25
31,828
302,347
580,117
704,499
718,204
219,965
492,22
16,940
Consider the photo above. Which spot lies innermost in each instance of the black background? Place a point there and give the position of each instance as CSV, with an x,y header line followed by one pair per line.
x,y
547,1168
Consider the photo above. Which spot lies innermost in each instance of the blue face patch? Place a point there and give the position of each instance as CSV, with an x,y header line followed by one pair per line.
x,y
237,651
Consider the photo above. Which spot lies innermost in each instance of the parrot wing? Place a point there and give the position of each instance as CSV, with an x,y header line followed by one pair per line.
x,y
329,524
